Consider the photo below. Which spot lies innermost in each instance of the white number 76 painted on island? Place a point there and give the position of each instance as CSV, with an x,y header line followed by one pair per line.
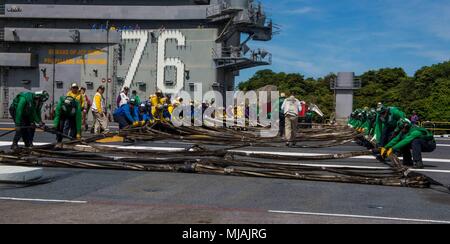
x,y
162,61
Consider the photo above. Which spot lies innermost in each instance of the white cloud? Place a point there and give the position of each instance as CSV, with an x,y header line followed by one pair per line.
x,y
435,55
308,67
442,31
300,11
427,17
358,35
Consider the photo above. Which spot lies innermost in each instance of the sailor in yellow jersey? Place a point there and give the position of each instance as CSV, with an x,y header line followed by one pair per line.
x,y
76,94
157,101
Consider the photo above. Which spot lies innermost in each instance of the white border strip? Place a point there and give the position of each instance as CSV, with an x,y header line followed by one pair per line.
x,y
442,136
362,217
249,152
9,143
168,149
436,160
344,166
443,145
430,171
40,200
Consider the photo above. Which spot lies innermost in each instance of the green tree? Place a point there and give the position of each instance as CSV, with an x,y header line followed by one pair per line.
x,y
427,92
310,89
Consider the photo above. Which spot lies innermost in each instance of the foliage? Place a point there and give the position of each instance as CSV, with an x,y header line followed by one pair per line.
x,y
427,92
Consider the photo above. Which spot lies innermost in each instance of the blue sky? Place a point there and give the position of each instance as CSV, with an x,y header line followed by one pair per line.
x,y
322,36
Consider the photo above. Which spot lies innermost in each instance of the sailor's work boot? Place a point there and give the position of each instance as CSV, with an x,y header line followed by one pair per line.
x,y
418,165
14,147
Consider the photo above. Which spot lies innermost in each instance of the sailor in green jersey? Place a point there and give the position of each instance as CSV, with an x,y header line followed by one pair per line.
x,y
411,137
369,126
386,124
26,112
68,118
354,120
363,120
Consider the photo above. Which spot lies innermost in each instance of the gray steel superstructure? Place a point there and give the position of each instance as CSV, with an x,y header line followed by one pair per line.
x,y
170,44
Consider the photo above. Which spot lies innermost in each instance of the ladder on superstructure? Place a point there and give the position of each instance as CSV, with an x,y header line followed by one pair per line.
x,y
2,7
4,73
5,91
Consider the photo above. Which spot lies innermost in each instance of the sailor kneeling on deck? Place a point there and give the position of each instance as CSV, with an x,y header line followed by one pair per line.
x,y
26,112
127,115
68,118
411,138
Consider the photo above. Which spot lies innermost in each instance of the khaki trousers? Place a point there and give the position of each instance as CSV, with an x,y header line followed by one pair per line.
x,y
100,123
290,127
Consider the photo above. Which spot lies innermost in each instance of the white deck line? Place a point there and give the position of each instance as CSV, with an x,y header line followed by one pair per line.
x,y
39,200
432,221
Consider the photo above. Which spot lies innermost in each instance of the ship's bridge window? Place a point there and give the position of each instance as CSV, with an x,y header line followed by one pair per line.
x,y
142,86
26,82
192,87
201,2
59,84
169,82
89,85
216,86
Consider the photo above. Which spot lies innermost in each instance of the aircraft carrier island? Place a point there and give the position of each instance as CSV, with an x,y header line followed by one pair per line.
x,y
143,44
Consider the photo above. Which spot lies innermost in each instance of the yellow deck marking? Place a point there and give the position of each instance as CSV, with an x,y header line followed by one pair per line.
x,y
111,139
11,129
